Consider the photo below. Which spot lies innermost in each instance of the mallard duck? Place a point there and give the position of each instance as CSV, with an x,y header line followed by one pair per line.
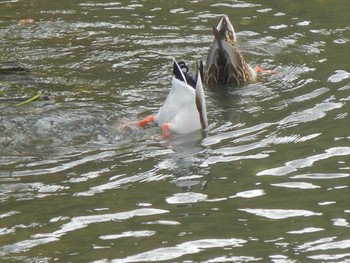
x,y
225,63
184,109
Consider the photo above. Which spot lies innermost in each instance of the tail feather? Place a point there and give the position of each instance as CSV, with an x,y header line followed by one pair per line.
x,y
225,64
177,72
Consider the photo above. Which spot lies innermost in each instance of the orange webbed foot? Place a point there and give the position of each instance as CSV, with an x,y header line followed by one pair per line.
x,y
259,70
129,124
146,120
165,130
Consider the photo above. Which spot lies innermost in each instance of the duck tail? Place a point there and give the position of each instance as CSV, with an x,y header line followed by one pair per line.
x,y
218,38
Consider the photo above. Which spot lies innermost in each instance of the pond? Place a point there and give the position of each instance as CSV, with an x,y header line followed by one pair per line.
x,y
267,182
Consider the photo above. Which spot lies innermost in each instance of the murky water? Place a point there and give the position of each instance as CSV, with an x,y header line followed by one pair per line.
x,y
268,182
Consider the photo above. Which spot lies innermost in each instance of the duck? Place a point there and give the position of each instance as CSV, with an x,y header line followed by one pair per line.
x,y
184,110
225,63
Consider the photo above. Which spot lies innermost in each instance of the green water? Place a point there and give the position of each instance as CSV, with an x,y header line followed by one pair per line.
x,y
268,182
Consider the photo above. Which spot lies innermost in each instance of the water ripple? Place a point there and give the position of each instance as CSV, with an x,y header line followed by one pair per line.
x,y
280,213
225,159
306,230
185,198
312,114
233,134
186,248
339,76
74,224
321,176
142,233
331,257
326,245
292,166
249,194
63,166
276,151
298,185
117,182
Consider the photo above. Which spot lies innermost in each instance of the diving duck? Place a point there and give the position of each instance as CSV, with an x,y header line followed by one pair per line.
x,y
225,63
184,109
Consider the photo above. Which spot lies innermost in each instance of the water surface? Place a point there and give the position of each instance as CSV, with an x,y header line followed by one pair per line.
x,y
268,181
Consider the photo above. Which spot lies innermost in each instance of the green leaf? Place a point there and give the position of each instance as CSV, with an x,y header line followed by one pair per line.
x,y
29,100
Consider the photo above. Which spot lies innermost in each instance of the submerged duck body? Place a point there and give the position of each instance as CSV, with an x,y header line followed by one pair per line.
x,y
184,110
225,63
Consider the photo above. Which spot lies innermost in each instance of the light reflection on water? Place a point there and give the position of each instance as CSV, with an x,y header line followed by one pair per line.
x,y
268,181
